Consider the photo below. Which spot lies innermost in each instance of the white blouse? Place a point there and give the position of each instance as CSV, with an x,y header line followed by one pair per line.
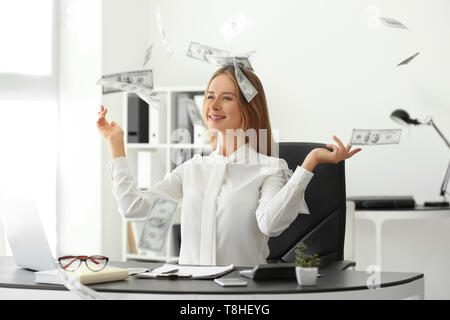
x,y
230,206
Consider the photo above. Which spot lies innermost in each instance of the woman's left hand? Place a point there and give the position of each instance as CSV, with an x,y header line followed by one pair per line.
x,y
322,155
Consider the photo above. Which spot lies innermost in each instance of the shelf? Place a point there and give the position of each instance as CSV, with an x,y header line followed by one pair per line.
x,y
146,146
162,155
189,146
165,145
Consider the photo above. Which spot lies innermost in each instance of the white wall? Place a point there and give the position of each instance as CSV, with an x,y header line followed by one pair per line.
x,y
78,183
325,72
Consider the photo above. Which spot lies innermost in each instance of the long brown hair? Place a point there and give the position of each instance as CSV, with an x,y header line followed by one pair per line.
x,y
255,114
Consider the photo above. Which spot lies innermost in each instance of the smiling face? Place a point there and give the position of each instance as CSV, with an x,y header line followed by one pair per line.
x,y
221,109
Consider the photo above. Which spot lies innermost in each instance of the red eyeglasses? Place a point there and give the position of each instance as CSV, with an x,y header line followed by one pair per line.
x,y
94,263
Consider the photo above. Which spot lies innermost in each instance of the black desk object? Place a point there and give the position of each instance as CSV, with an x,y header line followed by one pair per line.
x,y
383,202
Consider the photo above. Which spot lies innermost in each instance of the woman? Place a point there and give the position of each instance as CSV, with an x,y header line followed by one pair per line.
x,y
237,197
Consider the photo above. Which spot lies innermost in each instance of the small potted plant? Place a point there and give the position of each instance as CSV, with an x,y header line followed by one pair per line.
x,y
306,266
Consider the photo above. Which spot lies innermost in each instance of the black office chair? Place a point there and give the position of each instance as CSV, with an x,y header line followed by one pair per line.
x,y
323,230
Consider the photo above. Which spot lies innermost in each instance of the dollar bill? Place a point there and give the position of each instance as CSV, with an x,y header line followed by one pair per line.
x,y
162,32
71,283
248,54
148,55
375,136
156,226
133,79
202,52
408,60
139,82
392,23
219,57
235,26
242,62
147,96
247,89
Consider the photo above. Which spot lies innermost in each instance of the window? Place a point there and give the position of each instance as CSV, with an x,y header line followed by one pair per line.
x,y
28,140
28,105
26,36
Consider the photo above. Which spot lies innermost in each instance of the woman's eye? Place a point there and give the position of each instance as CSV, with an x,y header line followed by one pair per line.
x,y
227,98
210,97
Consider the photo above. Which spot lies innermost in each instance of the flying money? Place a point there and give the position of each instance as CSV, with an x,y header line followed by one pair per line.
x,y
139,82
156,225
219,57
375,137
141,78
71,283
247,89
393,23
235,26
162,32
202,52
408,60
148,55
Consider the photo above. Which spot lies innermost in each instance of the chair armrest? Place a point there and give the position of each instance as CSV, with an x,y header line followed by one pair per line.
x,y
340,265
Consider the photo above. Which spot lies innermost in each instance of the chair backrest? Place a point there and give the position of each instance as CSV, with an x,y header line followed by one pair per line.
x,y
323,230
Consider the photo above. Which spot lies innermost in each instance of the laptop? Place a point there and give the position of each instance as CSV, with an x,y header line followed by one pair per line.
x,y
25,234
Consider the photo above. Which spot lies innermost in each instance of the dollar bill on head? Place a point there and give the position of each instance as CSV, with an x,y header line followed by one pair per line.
x,y
247,89
242,62
249,54
392,23
375,136
408,60
202,52
162,32
235,26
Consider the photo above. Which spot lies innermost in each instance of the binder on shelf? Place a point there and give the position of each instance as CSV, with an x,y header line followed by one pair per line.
x,y
182,117
196,118
138,120
154,126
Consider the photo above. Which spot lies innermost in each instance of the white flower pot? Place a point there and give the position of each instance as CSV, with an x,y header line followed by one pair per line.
x,y
306,276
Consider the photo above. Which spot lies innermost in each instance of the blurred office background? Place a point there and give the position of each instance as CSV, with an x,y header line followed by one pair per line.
x,y
327,67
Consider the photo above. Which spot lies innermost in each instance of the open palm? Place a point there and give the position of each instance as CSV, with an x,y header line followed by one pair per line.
x,y
339,153
106,129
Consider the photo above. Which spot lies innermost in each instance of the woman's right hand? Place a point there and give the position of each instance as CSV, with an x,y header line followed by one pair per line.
x,y
113,134
109,131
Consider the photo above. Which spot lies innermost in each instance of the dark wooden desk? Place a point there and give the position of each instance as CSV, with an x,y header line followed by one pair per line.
x,y
17,283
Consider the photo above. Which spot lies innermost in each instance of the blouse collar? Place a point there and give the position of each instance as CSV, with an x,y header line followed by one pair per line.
x,y
241,155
